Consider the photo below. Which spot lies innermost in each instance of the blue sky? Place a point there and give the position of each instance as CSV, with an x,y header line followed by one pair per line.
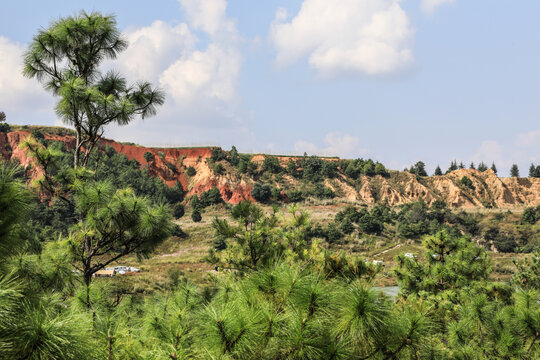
x,y
398,81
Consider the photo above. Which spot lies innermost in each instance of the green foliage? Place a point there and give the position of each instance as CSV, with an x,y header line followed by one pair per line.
x,y
4,127
514,171
271,164
234,156
178,211
148,157
295,196
438,171
527,275
218,169
117,169
530,216
196,215
453,166
465,181
482,166
419,169
217,154
66,58
261,192
210,197
190,171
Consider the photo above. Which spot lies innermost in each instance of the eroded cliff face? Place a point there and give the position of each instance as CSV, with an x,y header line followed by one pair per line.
x,y
487,189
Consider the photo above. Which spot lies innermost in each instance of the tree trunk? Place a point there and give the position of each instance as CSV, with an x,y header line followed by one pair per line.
x,y
77,148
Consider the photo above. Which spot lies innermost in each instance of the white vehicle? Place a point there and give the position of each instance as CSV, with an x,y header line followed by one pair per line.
x,y
410,255
133,269
378,262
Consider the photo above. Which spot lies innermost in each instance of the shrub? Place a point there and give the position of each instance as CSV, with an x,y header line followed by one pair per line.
x,y
272,165
148,156
217,154
161,155
178,211
196,215
211,197
295,195
465,181
218,169
191,171
261,192
529,216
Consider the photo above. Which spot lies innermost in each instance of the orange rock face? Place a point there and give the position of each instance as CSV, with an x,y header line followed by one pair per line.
x,y
399,188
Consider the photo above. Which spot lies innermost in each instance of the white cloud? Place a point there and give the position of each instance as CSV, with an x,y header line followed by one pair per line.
x,y
360,36
489,151
18,93
336,144
429,6
529,139
199,77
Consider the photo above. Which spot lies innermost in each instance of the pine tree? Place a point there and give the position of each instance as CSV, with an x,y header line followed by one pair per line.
x,y
438,171
514,171
66,59
532,171
453,166
494,168
461,166
471,166
482,167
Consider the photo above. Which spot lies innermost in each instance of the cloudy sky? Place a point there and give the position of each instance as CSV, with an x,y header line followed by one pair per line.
x,y
398,81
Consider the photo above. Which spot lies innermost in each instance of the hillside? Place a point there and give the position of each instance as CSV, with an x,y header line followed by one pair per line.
x,y
485,189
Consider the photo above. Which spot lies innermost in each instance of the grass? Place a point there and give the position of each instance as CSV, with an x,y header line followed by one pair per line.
x,y
187,255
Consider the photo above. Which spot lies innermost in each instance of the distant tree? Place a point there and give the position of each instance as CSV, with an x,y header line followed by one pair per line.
x,y
461,166
493,167
261,192
234,157
4,127
242,166
190,171
532,171
471,166
482,166
161,155
453,166
514,171
66,58
380,169
148,156
218,169
196,215
295,195
217,154
529,216
369,168
419,169
178,211
272,165
292,168
438,171
537,171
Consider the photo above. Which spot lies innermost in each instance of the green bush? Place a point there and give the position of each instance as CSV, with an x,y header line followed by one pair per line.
x,y
190,171
261,192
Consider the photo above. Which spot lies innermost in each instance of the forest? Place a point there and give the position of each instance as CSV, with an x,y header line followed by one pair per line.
x,y
282,284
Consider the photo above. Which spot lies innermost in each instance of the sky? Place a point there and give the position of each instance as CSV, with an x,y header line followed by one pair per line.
x,y
396,81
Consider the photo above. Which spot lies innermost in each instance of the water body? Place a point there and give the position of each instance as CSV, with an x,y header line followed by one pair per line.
x,y
388,290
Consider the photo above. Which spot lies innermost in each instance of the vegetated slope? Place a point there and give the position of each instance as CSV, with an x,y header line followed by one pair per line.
x,y
485,189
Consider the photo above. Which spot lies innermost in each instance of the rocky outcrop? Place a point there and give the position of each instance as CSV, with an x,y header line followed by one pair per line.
x,y
169,164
